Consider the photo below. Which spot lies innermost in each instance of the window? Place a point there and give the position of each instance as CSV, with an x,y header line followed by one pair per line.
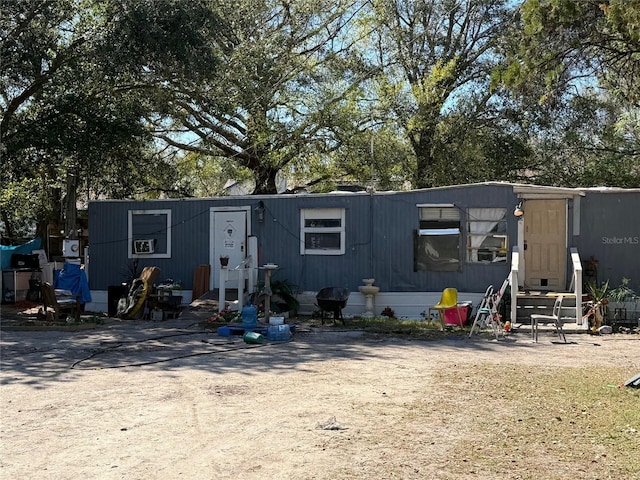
x,y
437,243
149,234
322,231
487,240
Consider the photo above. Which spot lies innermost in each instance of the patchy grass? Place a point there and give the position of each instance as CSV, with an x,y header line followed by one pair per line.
x,y
405,328
545,422
416,329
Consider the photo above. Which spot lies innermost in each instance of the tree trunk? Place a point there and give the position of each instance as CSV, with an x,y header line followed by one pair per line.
x,y
7,224
422,140
52,217
265,178
70,211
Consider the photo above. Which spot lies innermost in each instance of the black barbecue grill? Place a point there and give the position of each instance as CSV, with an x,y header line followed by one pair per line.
x,y
332,299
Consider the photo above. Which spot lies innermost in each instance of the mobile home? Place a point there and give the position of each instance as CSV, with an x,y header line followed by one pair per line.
x,y
413,243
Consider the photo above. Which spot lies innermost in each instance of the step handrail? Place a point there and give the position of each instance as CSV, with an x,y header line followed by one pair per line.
x,y
576,282
513,281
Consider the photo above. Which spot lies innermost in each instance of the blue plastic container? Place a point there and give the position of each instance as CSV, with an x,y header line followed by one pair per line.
x,y
249,317
279,333
224,331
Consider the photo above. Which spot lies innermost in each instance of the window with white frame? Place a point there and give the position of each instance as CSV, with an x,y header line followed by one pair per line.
x,y
487,240
437,242
149,234
322,231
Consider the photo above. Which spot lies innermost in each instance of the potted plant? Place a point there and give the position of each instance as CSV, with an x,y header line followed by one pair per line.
x,y
623,300
388,312
283,299
597,305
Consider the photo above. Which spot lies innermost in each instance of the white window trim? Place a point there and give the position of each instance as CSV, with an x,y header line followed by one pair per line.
x,y
166,254
333,213
482,221
437,215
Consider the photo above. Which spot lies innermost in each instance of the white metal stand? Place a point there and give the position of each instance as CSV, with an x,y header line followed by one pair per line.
x,y
244,271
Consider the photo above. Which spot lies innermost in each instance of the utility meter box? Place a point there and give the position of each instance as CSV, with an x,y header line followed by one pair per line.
x,y
70,248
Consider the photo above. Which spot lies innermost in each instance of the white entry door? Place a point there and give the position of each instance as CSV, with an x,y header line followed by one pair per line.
x,y
545,244
228,239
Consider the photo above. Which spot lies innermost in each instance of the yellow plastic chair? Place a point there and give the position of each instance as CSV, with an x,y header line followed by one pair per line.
x,y
449,299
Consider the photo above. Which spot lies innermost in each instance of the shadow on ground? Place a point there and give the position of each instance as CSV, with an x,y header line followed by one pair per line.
x,y
40,357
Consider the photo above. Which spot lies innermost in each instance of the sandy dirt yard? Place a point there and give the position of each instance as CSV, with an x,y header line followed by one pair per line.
x,y
165,400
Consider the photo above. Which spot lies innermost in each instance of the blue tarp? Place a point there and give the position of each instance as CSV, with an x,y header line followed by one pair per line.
x,y
73,278
24,249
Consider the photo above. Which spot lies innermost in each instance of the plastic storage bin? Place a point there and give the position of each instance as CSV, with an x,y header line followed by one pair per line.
x,y
279,333
451,317
276,320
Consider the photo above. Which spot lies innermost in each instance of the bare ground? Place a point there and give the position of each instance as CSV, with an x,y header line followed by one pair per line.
x,y
144,400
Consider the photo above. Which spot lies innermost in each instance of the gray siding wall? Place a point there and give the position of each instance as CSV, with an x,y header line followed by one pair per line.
x,y
108,244
379,239
397,219
279,241
610,232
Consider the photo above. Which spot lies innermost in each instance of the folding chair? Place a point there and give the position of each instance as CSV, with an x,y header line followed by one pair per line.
x,y
554,318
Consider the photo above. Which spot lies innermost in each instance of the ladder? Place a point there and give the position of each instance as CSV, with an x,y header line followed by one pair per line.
x,y
487,313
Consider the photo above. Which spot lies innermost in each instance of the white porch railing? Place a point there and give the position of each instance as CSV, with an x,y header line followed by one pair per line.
x,y
576,283
244,271
513,280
